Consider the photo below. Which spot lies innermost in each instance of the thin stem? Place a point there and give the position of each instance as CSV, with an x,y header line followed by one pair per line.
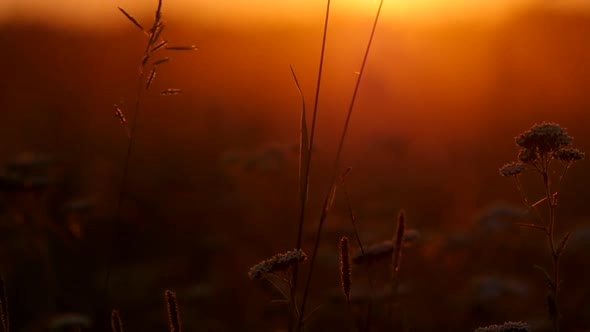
x,y
356,87
304,195
304,157
531,207
312,130
123,188
555,257
360,244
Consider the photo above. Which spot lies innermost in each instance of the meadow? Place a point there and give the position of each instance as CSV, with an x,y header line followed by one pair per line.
x,y
212,186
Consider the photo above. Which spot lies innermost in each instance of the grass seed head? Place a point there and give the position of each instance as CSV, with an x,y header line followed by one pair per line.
x,y
399,241
345,270
173,313
116,324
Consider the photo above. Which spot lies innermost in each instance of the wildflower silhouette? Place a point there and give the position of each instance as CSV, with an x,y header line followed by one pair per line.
x,y
277,263
543,148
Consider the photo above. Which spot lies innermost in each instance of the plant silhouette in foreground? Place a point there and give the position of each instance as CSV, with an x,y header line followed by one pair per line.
x,y
278,271
150,62
546,150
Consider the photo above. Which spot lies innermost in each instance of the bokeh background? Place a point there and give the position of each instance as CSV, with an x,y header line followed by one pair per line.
x,y
212,187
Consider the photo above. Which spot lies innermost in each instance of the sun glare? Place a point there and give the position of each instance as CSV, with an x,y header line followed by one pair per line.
x,y
94,12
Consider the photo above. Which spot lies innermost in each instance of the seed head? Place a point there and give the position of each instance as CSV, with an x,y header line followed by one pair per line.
x,y
173,313
345,271
277,263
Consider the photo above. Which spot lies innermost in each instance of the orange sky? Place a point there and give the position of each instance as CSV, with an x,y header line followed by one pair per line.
x,y
98,12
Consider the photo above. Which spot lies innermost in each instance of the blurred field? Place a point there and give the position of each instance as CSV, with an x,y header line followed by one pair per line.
x,y
213,184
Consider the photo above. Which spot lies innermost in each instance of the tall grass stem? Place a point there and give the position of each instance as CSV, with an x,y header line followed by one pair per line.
x,y
328,200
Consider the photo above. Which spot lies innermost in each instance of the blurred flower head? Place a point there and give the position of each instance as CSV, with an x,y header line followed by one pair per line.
x,y
277,263
512,169
544,138
569,155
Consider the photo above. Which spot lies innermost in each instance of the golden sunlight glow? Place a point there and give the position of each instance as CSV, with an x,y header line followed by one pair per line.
x,y
99,12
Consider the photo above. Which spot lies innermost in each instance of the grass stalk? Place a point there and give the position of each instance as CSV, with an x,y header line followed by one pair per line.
x,y
307,166
131,138
360,244
305,169
147,73
329,197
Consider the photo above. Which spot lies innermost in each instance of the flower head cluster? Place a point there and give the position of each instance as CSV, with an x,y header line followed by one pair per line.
x,y
506,327
277,263
569,155
544,138
512,169
539,146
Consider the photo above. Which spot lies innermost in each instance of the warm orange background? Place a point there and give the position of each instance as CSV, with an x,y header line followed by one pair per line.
x,y
447,87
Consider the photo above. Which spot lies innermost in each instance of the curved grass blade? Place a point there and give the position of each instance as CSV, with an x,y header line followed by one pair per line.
x,y
303,143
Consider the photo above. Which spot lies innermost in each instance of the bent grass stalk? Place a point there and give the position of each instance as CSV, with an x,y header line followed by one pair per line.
x,y
331,193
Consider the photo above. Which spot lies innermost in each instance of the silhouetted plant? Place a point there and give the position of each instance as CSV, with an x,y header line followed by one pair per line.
x,y
543,148
151,60
278,271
